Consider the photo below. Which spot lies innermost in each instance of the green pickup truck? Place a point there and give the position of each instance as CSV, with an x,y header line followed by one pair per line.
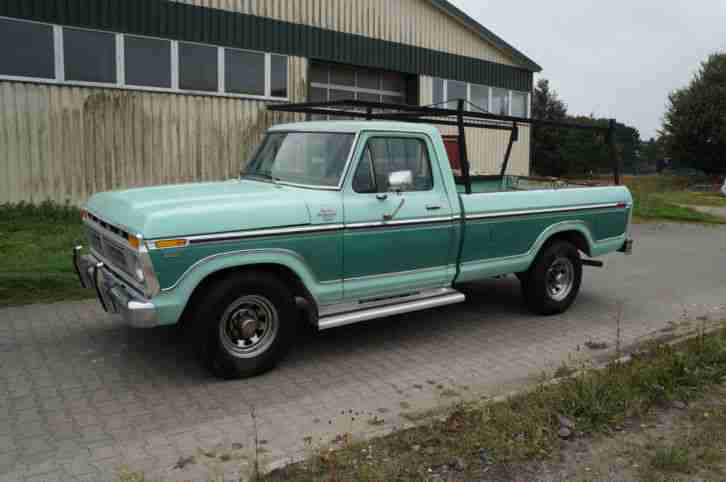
x,y
333,223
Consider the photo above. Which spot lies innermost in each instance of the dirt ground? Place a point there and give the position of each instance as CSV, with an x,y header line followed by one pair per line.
x,y
676,443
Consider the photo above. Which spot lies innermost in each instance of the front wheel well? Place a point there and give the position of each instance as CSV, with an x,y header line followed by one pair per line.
x,y
285,274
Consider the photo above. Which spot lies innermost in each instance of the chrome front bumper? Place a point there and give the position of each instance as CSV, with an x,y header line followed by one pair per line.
x,y
114,295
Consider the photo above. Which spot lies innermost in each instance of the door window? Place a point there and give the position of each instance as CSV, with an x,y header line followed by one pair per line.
x,y
385,155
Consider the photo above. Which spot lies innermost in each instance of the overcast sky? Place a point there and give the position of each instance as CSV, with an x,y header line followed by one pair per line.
x,y
617,58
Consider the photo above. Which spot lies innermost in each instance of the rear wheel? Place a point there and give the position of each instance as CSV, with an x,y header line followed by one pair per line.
x,y
246,324
553,281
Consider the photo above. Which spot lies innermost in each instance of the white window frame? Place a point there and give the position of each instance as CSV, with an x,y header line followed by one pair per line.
x,y
510,93
60,61
56,70
267,73
83,83
120,84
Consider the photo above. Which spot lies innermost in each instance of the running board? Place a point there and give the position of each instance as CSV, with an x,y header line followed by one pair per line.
x,y
390,310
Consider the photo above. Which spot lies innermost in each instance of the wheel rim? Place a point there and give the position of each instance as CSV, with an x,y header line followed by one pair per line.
x,y
559,278
249,326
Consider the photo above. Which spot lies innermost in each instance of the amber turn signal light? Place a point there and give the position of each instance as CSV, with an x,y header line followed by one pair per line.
x,y
170,243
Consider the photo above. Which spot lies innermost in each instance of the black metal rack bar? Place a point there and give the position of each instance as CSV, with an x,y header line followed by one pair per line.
x,y
459,117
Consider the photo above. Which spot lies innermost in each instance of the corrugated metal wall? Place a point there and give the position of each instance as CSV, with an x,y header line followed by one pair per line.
x,y
412,22
486,148
66,143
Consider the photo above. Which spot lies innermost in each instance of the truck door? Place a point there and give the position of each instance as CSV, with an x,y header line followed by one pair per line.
x,y
398,222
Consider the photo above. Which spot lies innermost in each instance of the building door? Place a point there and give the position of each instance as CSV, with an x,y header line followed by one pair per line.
x,y
330,82
454,152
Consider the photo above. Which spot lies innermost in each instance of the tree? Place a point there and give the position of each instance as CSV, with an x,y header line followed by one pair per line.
x,y
547,141
651,150
694,125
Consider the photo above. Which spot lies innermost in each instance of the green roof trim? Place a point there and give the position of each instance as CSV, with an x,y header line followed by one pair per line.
x,y
184,22
487,34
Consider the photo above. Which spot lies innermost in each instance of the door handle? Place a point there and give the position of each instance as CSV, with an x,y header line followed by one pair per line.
x,y
382,196
433,207
389,217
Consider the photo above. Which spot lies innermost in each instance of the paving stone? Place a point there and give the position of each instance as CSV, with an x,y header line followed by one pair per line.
x,y
96,395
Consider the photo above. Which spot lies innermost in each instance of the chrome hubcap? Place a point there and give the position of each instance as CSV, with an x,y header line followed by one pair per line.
x,y
559,278
249,326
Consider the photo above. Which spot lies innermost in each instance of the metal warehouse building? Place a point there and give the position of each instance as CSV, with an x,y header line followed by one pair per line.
x,y
104,94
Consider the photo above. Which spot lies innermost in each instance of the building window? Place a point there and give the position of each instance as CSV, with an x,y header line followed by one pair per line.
x,y
369,79
89,56
342,75
438,91
198,67
278,76
147,62
519,104
244,72
454,92
479,98
27,49
500,101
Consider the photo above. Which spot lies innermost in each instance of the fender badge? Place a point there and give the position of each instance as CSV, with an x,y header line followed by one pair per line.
x,y
327,214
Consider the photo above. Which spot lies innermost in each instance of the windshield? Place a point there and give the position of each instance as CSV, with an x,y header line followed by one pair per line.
x,y
311,158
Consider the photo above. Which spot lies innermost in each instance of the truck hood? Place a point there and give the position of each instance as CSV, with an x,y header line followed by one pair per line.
x,y
193,209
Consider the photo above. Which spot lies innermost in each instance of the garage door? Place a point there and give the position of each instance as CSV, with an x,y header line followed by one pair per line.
x,y
330,82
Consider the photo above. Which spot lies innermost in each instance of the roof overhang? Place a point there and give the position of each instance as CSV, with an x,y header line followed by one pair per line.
x,y
486,34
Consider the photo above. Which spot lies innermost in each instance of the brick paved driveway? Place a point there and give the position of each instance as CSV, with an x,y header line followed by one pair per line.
x,y
82,397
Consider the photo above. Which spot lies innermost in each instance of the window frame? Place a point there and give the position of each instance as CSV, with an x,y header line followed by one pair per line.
x,y
220,68
423,139
55,39
119,70
267,81
510,92
120,84
121,43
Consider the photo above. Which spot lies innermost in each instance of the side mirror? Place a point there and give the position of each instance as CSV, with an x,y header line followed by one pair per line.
x,y
400,180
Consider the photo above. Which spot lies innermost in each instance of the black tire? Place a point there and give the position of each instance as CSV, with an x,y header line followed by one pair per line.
x,y
552,267
253,304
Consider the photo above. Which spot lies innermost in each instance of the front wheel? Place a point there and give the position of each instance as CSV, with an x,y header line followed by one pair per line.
x,y
553,281
247,325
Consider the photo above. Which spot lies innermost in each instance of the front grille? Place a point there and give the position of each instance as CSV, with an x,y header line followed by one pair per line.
x,y
112,252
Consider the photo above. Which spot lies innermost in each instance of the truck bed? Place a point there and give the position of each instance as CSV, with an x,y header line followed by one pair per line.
x,y
506,225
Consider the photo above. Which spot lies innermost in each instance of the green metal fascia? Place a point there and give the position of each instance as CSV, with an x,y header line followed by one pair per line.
x,y
179,21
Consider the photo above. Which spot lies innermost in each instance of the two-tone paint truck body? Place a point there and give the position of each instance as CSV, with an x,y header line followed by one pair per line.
x,y
354,220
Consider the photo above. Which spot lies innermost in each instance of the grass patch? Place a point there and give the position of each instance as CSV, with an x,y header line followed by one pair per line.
x,y
662,197
671,459
479,438
35,249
